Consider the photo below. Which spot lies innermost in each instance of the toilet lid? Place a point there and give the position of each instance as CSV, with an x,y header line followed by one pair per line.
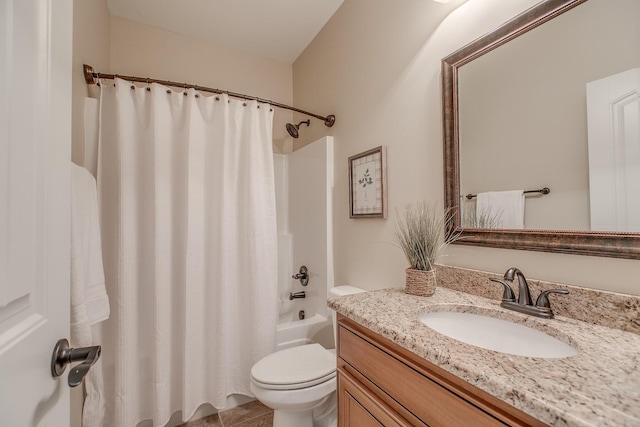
x,y
295,367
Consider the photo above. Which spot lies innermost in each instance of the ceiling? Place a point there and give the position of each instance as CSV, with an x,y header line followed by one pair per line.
x,y
276,29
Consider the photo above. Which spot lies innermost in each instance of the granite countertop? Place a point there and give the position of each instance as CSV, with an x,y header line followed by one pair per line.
x,y
598,387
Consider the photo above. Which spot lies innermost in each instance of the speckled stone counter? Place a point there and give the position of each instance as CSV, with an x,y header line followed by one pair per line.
x,y
598,387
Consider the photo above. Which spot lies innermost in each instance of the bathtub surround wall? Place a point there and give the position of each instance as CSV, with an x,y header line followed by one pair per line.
x,y
285,239
311,220
304,200
385,89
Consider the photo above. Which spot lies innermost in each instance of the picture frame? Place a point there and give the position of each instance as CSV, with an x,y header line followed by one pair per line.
x,y
368,184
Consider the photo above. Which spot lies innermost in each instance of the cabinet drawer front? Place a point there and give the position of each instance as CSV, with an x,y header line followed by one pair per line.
x,y
432,403
359,409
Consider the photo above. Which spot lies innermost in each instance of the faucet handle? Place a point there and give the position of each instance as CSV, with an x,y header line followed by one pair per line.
x,y
302,276
508,294
543,299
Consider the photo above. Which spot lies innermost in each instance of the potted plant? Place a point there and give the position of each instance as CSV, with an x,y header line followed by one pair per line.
x,y
423,232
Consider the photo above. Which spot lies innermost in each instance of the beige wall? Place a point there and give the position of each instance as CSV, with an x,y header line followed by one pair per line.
x,y
146,51
376,65
91,32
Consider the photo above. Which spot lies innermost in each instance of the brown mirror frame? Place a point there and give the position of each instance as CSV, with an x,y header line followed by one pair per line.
x,y
616,245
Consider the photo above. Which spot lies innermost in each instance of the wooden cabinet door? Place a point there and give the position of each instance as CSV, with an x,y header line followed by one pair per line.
x,y
413,390
358,408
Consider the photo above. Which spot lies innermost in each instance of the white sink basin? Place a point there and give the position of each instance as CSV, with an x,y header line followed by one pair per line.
x,y
496,334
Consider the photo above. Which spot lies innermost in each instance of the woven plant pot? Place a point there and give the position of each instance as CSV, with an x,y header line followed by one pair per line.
x,y
420,282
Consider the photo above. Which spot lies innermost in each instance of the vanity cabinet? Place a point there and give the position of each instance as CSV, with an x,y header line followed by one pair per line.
x,y
358,407
383,384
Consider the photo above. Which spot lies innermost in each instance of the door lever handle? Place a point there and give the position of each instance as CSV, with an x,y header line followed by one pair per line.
x,y
64,355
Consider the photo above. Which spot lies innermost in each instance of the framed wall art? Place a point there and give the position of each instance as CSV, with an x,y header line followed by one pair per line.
x,y
368,184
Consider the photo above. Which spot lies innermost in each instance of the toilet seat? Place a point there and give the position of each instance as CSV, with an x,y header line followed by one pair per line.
x,y
295,368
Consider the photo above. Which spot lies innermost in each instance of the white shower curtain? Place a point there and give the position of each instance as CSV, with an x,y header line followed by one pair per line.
x,y
188,221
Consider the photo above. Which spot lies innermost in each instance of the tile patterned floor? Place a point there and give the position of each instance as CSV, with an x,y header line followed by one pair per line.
x,y
252,414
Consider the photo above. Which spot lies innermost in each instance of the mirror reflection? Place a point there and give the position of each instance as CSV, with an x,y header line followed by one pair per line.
x,y
559,108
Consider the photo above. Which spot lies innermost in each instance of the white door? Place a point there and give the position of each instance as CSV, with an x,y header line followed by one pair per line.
x,y
35,141
613,111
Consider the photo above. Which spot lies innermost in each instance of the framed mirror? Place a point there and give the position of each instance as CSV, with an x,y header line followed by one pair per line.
x,y
519,108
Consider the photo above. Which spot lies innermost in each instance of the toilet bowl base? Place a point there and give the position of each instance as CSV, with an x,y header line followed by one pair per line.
x,y
323,415
292,419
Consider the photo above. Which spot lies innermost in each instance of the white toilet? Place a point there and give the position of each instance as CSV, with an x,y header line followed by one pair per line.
x,y
299,383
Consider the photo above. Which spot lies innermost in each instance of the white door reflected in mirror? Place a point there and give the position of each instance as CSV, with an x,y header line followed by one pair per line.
x,y
613,110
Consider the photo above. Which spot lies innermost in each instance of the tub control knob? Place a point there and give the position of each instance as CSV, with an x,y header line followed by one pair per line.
x,y
303,276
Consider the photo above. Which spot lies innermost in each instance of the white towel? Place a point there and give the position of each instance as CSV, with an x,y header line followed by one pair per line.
x,y
91,126
505,207
89,301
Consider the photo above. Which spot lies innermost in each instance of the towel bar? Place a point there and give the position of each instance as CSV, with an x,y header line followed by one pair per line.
x,y
544,190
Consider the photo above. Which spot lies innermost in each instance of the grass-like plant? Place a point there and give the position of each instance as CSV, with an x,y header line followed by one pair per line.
x,y
423,232
485,218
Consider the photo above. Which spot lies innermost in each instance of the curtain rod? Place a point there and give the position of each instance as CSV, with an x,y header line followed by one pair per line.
x,y
92,77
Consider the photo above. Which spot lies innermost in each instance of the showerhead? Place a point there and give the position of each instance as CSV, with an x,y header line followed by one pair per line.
x,y
293,129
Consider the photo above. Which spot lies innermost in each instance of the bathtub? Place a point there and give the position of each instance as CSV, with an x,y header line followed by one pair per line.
x,y
292,332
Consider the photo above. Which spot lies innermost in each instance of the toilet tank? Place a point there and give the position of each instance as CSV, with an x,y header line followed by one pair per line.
x,y
338,291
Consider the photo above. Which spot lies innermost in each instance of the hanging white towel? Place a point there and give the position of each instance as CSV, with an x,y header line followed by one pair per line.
x,y
506,208
91,125
89,301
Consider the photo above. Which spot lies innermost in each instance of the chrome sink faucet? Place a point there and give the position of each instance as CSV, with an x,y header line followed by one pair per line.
x,y
524,304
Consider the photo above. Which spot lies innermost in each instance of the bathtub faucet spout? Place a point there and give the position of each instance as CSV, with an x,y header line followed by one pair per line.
x,y
296,295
